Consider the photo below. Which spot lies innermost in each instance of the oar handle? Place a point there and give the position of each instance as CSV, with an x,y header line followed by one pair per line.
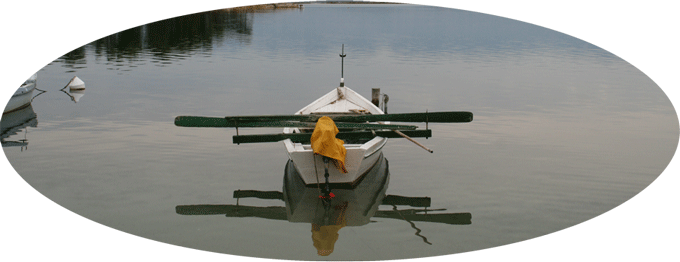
x,y
415,142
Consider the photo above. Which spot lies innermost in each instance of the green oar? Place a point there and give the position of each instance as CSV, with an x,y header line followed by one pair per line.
x,y
434,117
200,121
305,137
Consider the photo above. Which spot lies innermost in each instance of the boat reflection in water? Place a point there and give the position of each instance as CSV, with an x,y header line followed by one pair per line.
x,y
18,114
15,122
327,216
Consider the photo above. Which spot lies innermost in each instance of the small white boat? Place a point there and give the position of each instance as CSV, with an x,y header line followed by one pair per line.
x,y
22,97
361,155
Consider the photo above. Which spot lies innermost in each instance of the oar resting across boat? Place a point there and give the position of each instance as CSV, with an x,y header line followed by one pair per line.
x,y
274,120
342,121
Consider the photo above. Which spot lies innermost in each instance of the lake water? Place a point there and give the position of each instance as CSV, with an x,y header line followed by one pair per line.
x,y
563,130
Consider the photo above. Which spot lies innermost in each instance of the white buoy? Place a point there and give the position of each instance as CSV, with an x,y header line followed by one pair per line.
x,y
76,84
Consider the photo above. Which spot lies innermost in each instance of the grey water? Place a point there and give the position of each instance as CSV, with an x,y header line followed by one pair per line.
x,y
563,131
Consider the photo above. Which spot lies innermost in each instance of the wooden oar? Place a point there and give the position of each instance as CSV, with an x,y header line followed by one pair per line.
x,y
410,139
200,121
305,137
433,117
415,142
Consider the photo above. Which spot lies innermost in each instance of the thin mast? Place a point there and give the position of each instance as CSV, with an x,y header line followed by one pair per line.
x,y
342,66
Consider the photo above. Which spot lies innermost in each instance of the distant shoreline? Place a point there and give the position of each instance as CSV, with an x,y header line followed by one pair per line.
x,y
263,7
293,5
350,2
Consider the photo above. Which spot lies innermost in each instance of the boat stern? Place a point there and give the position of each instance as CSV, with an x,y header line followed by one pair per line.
x,y
358,160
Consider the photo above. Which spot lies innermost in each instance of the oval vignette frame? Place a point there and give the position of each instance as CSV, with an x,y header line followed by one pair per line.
x,y
36,225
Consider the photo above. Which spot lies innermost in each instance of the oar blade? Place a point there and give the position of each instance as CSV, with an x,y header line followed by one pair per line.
x,y
432,117
201,121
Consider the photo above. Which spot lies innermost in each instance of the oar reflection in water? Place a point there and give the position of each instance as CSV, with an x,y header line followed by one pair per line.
x,y
348,207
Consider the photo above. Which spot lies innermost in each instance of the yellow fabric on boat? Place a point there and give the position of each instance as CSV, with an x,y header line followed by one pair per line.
x,y
324,142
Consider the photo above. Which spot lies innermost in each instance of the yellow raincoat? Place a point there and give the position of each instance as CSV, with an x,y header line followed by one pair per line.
x,y
324,142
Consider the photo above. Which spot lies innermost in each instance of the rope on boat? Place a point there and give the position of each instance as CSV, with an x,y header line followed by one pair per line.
x,y
327,195
318,185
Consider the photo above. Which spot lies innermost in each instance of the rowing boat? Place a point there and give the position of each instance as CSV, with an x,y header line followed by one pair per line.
x,y
360,129
361,154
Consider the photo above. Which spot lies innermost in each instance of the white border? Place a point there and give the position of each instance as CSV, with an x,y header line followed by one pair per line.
x,y
644,34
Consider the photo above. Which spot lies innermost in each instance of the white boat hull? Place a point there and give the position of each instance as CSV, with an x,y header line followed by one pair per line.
x,y
359,158
21,98
15,122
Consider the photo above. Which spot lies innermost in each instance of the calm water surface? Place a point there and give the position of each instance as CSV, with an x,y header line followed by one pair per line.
x,y
563,131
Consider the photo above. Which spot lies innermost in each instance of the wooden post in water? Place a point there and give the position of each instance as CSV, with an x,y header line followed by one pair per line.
x,y
385,99
375,96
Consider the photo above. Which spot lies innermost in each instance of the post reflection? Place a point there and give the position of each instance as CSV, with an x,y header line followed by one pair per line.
x,y
353,207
